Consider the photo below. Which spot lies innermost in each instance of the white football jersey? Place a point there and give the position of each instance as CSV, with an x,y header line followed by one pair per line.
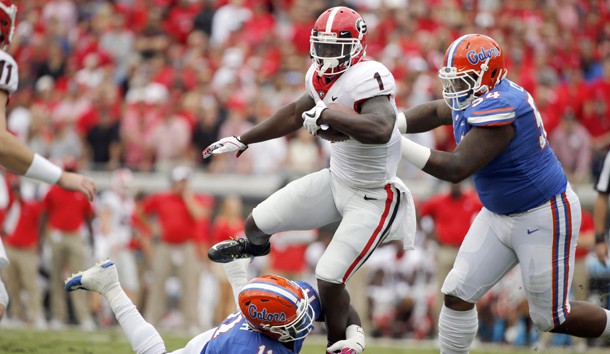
x,y
9,73
358,164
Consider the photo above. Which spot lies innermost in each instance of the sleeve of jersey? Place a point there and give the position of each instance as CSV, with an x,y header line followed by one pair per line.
x,y
491,112
373,80
309,82
9,78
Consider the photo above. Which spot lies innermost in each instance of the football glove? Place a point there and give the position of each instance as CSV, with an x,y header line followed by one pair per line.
x,y
228,144
353,344
310,118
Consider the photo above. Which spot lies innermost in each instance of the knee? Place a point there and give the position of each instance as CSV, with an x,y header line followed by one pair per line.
x,y
541,322
251,229
325,287
457,304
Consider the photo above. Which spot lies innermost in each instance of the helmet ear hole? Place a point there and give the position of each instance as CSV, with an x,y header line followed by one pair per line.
x,y
493,73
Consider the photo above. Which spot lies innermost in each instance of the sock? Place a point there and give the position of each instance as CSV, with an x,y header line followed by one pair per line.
x,y
456,330
258,250
142,336
237,274
606,333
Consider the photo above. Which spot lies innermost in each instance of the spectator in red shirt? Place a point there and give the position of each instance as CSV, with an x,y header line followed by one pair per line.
x,y
20,230
178,213
452,213
65,214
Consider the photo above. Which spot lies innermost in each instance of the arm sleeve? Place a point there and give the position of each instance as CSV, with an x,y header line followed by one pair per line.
x,y
491,112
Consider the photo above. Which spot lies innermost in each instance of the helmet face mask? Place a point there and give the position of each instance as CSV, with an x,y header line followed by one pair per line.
x,y
473,65
277,307
331,53
337,41
458,87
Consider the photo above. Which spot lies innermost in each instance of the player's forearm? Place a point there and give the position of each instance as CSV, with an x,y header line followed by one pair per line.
x,y
427,116
283,122
366,128
14,155
447,166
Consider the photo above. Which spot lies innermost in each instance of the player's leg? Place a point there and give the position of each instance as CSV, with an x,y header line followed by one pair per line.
x,y
195,345
483,259
103,279
545,242
304,204
365,224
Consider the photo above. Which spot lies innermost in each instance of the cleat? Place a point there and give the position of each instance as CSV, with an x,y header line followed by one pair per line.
x,y
99,278
230,250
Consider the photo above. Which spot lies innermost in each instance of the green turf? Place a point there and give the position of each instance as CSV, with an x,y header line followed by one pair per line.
x,y
113,342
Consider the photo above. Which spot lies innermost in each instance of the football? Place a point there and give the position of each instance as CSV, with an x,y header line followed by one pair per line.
x,y
331,134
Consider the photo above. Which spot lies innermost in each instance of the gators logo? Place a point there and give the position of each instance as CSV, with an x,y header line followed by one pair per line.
x,y
263,315
475,57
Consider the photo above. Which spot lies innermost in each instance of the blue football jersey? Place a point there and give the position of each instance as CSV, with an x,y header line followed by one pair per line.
x,y
527,173
235,336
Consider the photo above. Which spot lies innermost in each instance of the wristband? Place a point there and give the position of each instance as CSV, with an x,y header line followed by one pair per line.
x,y
416,154
401,121
600,237
43,170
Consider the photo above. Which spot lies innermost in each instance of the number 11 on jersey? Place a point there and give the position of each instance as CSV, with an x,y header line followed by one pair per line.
x,y
261,350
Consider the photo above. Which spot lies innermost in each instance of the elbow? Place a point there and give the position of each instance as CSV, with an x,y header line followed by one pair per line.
x,y
380,135
457,174
456,178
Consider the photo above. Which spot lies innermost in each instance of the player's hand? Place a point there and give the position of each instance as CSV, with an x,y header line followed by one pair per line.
x,y
75,182
228,144
353,344
601,251
310,118
344,347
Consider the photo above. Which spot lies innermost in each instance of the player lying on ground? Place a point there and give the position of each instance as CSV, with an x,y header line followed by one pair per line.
x,y
275,315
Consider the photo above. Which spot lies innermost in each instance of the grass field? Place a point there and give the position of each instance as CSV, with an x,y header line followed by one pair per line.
x,y
113,342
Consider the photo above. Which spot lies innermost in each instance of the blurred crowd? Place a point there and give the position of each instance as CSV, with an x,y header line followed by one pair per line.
x,y
110,83
145,85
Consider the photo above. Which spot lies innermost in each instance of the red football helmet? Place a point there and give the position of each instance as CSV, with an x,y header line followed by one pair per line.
x,y
473,65
277,307
337,41
7,22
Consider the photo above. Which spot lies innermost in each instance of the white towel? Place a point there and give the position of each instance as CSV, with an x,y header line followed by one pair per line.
x,y
405,225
